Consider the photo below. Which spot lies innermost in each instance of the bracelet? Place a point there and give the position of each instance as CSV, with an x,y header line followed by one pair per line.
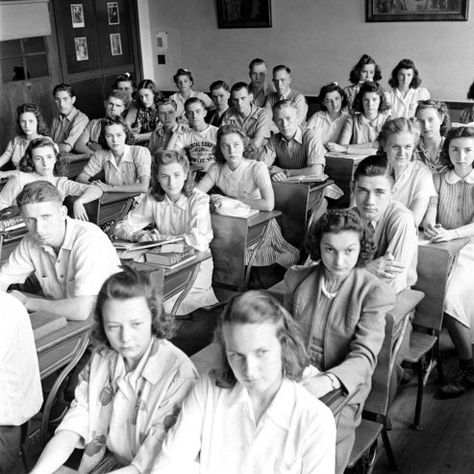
x,y
347,148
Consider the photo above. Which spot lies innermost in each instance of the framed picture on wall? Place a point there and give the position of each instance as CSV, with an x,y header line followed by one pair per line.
x,y
77,15
416,10
113,13
244,13
115,44
80,44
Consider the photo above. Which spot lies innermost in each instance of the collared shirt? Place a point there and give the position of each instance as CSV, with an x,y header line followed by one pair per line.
x,y
161,137
15,149
358,129
21,396
129,413
180,101
433,163
406,106
415,182
214,117
135,163
84,261
256,125
92,132
351,92
295,434
16,183
293,96
67,129
260,97
329,130
304,149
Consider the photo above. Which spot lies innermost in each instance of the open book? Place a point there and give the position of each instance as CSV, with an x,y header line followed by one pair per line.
x,y
128,246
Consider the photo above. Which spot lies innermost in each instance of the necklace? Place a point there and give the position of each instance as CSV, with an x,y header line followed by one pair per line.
x,y
329,295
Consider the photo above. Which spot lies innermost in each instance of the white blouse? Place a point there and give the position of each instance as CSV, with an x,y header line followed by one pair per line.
x,y
406,106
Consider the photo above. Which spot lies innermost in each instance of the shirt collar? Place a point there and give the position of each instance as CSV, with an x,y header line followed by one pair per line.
x,y
70,117
69,235
281,407
452,178
127,156
297,138
181,202
364,120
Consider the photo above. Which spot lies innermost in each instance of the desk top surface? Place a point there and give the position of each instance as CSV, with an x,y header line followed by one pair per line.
x,y
312,186
108,197
452,246
73,157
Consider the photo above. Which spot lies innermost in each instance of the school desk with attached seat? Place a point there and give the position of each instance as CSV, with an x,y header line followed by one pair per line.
x,y
75,163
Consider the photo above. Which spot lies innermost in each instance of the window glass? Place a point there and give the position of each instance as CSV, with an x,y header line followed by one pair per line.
x,y
10,49
12,70
37,65
34,45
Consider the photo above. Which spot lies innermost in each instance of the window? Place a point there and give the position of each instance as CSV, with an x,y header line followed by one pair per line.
x,y
23,59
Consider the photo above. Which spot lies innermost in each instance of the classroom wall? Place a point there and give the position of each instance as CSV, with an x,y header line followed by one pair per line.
x,y
319,39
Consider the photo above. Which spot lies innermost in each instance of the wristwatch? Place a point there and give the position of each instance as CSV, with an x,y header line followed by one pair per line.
x,y
335,383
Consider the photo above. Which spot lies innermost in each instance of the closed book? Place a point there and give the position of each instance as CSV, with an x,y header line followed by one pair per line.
x,y
127,245
171,259
44,323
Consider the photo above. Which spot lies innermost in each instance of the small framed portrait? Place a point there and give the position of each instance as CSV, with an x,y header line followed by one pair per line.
x,y
77,15
80,44
113,13
115,44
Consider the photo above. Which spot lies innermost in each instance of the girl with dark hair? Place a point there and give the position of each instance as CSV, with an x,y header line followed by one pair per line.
x,y
42,161
406,91
130,393
451,216
341,308
360,131
366,70
467,115
251,415
329,121
126,167
434,121
30,125
175,209
126,84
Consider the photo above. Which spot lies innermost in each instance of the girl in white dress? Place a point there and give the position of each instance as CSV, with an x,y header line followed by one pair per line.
x,y
451,216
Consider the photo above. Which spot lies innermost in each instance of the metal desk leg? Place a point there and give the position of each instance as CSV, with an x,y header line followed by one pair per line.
x,y
187,288
253,253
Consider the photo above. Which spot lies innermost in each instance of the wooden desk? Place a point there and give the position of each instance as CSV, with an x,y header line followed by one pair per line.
x,y
233,236
61,349
340,167
297,201
75,163
8,242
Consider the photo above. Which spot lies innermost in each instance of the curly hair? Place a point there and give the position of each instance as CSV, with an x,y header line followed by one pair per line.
x,y
470,92
117,120
366,88
334,222
27,165
166,157
405,64
256,307
131,283
457,132
227,130
442,110
41,128
331,87
396,126
183,72
354,76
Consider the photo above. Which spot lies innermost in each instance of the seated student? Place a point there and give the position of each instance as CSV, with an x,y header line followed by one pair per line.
x,y
30,125
413,185
292,151
341,308
366,70
42,161
329,121
392,224
433,117
167,125
184,82
70,258
450,217
70,122
130,393
282,81
199,142
142,116
126,167
248,181
467,115
114,105
254,121
359,134
406,91
176,210
125,84
258,86
251,415
21,396
220,95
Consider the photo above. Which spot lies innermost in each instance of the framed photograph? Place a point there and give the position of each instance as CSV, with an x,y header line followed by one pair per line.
x,y
244,13
113,13
115,44
77,15
416,10
82,53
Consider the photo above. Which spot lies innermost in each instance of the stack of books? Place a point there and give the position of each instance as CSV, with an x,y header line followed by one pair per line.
x,y
171,255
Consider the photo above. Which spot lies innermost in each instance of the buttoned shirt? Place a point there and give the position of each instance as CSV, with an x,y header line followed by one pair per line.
x,y
16,149
295,97
161,137
84,261
67,129
358,129
329,130
260,97
304,149
21,396
134,164
406,106
295,434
